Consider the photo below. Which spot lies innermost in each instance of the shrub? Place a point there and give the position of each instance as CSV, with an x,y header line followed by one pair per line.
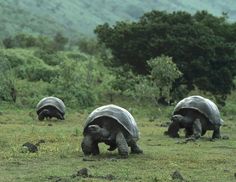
x,y
41,72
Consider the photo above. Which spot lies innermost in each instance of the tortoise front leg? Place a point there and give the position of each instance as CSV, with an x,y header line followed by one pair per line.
x,y
43,114
122,145
216,133
173,129
135,149
95,149
87,145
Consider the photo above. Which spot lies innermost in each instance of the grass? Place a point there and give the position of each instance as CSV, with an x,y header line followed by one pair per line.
x,y
61,156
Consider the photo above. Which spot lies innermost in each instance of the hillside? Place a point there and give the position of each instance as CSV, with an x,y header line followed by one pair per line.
x,y
74,17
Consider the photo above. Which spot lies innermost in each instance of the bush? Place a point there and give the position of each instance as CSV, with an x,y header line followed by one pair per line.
x,y
164,72
7,85
51,59
30,93
11,58
73,85
41,72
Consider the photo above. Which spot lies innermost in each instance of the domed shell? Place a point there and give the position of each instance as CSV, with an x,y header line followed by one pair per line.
x,y
51,101
119,114
201,104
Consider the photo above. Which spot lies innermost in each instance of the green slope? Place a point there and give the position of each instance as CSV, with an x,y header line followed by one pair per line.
x,y
75,17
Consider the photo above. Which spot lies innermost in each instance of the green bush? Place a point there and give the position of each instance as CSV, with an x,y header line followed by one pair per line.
x,y
41,72
30,93
73,85
48,58
12,58
7,85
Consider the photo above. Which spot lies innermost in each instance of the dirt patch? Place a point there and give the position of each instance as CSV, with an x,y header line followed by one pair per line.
x,y
85,173
177,176
30,147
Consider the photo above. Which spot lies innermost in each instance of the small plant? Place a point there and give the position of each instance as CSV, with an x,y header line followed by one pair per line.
x,y
163,74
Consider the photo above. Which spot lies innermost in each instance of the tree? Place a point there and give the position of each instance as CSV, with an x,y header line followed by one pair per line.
x,y
156,86
163,74
59,42
200,45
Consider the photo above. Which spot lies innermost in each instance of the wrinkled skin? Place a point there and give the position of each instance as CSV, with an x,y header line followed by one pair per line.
x,y
194,123
49,113
110,133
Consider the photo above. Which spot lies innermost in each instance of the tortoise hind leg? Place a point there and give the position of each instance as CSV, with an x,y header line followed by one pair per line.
x,y
135,149
197,129
122,145
58,115
216,133
112,147
188,132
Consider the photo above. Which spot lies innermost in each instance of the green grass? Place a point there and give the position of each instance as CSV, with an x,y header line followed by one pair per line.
x,y
61,156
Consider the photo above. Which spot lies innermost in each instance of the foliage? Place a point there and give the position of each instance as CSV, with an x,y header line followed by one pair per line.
x,y
7,82
79,83
30,93
21,41
80,80
59,42
200,45
155,87
143,91
125,79
163,74
45,44
68,86
88,46
40,72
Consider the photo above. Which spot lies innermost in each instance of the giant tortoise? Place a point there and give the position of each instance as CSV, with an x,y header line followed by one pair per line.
x,y
50,107
114,126
197,115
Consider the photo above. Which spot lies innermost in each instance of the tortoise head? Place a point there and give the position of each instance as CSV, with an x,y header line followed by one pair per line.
x,y
94,129
98,132
44,113
177,118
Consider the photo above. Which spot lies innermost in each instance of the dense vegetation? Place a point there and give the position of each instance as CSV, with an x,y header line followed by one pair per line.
x,y
202,46
34,67
159,59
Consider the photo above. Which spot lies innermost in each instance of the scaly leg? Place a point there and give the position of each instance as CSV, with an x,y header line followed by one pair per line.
x,y
135,149
87,145
216,133
197,129
122,145
173,129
